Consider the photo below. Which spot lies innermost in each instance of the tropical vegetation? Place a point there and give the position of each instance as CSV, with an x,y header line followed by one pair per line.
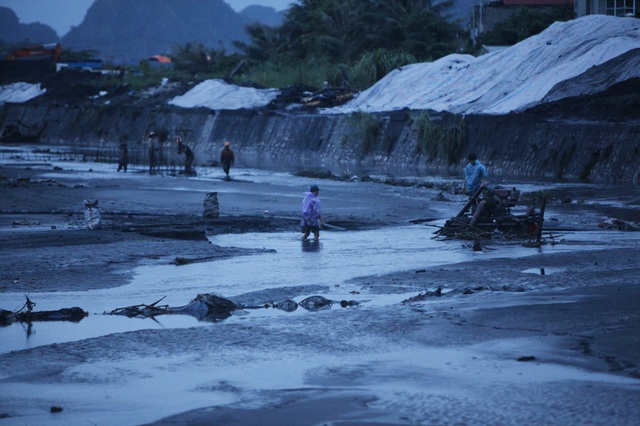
x,y
351,42
348,43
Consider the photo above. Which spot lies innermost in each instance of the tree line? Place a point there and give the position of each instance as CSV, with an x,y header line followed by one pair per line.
x,y
351,43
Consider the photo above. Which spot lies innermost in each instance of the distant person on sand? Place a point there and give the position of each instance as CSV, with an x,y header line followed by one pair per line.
x,y
475,174
183,148
153,153
227,158
311,214
123,157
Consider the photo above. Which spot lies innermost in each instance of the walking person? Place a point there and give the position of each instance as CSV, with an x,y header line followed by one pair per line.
x,y
227,158
311,214
123,158
153,155
183,148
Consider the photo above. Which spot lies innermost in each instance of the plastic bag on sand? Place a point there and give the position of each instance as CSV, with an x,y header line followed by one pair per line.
x,y
91,213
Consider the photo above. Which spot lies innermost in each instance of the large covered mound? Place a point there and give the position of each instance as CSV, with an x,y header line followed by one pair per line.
x,y
216,94
581,69
513,79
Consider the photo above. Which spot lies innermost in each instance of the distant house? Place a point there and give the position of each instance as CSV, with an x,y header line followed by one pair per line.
x,y
160,61
488,14
620,8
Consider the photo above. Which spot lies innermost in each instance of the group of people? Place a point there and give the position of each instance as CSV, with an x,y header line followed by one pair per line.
x,y
475,174
154,152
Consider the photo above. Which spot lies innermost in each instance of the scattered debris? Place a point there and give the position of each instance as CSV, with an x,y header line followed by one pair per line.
x,y
92,213
619,224
142,310
26,314
328,97
25,222
424,296
526,358
211,206
210,307
488,214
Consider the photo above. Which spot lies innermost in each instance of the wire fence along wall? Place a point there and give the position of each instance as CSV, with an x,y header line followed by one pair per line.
x,y
167,160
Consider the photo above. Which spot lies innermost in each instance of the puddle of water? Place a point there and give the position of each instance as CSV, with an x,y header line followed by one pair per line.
x,y
338,257
21,336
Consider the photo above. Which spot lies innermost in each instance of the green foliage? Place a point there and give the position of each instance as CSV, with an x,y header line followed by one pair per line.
x,y
144,76
270,74
69,55
265,43
372,66
369,130
443,141
526,23
356,42
196,60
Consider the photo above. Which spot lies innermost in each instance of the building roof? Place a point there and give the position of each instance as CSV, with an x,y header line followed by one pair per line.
x,y
536,2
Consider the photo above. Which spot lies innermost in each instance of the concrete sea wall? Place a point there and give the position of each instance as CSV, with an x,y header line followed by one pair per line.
x,y
516,145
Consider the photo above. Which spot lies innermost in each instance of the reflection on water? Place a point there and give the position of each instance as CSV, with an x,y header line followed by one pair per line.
x,y
310,246
329,264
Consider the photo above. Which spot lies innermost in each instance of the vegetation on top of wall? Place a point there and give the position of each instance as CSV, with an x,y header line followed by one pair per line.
x,y
444,140
369,129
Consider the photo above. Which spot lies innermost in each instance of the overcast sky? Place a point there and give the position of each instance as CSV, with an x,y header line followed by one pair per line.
x,y
62,14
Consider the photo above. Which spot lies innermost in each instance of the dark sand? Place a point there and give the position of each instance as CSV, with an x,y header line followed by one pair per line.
x,y
45,247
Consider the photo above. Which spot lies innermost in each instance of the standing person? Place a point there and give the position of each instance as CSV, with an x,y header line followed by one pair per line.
x,y
123,158
153,157
311,214
474,174
183,148
227,158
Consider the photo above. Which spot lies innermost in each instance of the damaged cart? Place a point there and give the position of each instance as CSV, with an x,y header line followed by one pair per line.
x,y
491,212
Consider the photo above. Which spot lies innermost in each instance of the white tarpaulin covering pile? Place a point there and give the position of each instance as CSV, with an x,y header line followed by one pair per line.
x,y
216,94
504,81
497,83
19,92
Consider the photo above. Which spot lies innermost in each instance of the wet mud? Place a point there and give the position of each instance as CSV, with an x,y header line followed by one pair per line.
x,y
436,334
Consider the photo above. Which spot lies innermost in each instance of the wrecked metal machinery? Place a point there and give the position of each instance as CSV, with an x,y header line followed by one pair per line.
x,y
490,212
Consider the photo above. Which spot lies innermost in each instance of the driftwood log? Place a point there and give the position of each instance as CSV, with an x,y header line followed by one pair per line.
x,y
27,314
210,307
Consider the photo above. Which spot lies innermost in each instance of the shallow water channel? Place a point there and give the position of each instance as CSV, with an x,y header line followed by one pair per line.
x,y
328,264
133,371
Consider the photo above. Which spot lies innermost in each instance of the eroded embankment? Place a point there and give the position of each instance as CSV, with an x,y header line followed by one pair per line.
x,y
516,145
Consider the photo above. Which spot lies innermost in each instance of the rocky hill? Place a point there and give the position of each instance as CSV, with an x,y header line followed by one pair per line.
x,y
123,31
13,32
263,15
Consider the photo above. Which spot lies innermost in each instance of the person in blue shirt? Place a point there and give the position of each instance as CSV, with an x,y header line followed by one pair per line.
x,y
474,175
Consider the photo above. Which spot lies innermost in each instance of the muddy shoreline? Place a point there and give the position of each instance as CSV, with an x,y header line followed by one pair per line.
x,y
591,325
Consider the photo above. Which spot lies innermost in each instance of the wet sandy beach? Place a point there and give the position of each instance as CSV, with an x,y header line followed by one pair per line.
x,y
502,343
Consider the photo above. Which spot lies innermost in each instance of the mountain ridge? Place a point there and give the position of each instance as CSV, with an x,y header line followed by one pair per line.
x,y
124,32
14,32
